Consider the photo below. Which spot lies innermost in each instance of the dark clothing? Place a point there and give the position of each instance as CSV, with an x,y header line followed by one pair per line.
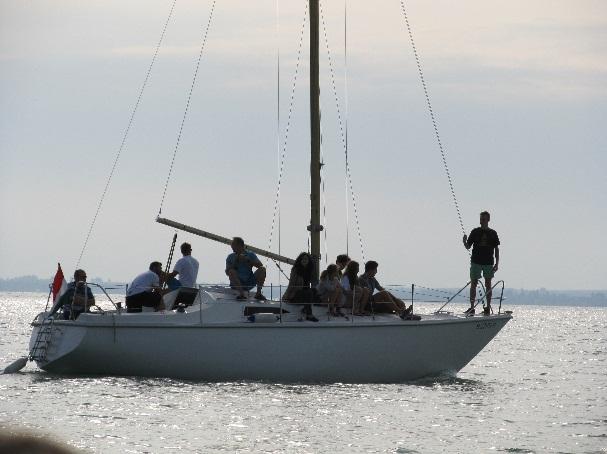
x,y
484,242
147,299
73,300
369,282
297,281
299,291
306,296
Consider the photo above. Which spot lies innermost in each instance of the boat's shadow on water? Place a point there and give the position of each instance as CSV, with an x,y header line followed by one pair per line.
x,y
447,381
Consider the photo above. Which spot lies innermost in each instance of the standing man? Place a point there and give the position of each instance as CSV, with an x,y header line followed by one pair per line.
x,y
186,267
239,268
485,241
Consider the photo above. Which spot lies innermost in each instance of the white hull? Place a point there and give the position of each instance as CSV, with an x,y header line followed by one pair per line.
x,y
194,346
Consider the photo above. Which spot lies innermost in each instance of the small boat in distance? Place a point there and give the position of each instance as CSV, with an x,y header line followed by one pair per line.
x,y
207,333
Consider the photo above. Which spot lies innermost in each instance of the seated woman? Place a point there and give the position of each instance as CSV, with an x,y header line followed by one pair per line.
x,y
367,280
330,291
356,296
299,290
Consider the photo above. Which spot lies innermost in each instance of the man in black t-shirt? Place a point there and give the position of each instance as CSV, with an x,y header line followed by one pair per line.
x,y
485,241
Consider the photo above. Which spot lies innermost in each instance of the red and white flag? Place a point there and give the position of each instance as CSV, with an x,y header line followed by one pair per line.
x,y
59,285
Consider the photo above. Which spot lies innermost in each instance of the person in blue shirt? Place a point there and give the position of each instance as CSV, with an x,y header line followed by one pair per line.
x,y
239,268
78,297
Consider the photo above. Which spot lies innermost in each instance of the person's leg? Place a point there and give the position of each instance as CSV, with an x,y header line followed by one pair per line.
x,y
475,275
364,298
133,303
386,297
152,299
337,300
473,284
173,284
399,303
348,301
473,292
488,290
302,298
331,299
488,275
235,281
328,300
159,306
354,300
76,311
260,278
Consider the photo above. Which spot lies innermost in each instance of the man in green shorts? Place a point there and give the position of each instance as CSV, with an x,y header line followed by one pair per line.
x,y
485,241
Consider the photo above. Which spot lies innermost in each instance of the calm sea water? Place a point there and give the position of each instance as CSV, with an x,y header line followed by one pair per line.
x,y
540,386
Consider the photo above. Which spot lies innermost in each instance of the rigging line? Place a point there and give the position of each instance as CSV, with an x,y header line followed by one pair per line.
x,y
350,186
278,118
432,116
405,286
346,121
324,205
280,269
286,138
126,133
187,107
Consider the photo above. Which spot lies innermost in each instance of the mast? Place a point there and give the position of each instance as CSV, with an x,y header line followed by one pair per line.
x,y
315,227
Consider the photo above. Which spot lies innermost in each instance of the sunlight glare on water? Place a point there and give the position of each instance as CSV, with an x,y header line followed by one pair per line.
x,y
539,386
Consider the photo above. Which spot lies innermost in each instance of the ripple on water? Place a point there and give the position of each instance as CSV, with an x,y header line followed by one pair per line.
x,y
514,397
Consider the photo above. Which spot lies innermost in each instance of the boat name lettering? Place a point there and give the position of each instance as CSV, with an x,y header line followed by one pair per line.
x,y
485,325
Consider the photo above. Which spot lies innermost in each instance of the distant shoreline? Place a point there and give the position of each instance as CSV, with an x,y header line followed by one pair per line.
x,y
540,297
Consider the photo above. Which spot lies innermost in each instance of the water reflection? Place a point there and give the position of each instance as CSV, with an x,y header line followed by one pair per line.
x,y
531,390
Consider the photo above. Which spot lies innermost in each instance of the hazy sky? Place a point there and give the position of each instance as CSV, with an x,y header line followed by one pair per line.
x,y
519,89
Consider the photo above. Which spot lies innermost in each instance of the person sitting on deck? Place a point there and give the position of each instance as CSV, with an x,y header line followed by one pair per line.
x,y
145,290
367,280
356,296
239,268
78,297
341,261
330,291
187,269
299,290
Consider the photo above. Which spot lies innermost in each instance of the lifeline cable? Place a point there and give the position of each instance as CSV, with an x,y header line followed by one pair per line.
x,y
278,126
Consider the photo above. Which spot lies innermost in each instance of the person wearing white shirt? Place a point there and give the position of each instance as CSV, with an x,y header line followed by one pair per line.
x,y
187,269
145,290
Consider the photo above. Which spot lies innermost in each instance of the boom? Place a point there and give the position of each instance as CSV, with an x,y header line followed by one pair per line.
x,y
223,239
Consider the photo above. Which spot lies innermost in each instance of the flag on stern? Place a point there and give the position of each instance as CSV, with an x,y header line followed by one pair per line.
x,y
59,285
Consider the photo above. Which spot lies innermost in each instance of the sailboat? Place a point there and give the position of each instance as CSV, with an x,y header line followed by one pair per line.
x,y
208,334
